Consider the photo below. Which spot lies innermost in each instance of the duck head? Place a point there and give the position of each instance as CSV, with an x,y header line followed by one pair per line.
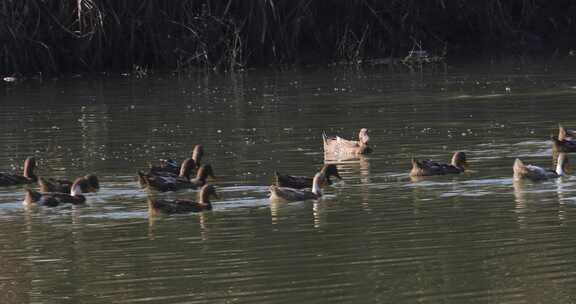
x,y
459,160
90,183
204,172
206,193
29,167
363,136
94,182
197,154
331,170
78,187
187,167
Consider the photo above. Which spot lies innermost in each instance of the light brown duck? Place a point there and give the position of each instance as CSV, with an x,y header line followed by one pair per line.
x,y
340,147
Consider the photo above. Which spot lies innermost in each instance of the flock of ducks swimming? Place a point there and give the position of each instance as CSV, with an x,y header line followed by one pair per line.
x,y
169,175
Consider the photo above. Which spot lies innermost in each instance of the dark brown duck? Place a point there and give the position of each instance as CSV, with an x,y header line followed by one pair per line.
x,y
184,206
27,177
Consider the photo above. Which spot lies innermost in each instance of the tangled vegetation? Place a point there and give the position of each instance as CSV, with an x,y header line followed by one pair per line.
x,y
94,35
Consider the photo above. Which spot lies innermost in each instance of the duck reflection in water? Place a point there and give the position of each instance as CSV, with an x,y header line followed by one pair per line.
x,y
356,166
527,177
526,199
319,213
202,222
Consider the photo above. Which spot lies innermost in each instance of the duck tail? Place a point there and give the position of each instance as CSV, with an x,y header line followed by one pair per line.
x,y
142,179
519,167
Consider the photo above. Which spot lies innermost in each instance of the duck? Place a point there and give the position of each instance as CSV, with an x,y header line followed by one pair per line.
x,y
186,170
565,141
566,134
185,206
53,199
536,173
173,167
286,194
165,183
88,183
427,167
343,147
27,177
299,182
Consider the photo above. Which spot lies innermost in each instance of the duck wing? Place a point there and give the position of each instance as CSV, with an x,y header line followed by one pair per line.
x,y
343,147
166,167
429,167
64,198
347,143
175,206
531,172
451,169
54,185
432,167
539,173
7,180
291,181
564,145
54,199
162,183
10,179
329,144
291,194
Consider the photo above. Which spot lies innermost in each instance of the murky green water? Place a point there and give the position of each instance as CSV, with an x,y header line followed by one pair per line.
x,y
378,237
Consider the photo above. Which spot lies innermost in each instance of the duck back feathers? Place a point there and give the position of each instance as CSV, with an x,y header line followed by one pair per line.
x,y
28,176
185,206
291,194
426,167
52,199
338,146
88,183
299,182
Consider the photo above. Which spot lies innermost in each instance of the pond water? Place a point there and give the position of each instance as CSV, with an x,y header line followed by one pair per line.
x,y
375,237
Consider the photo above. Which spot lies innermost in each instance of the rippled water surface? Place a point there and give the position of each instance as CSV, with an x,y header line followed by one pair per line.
x,y
376,237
